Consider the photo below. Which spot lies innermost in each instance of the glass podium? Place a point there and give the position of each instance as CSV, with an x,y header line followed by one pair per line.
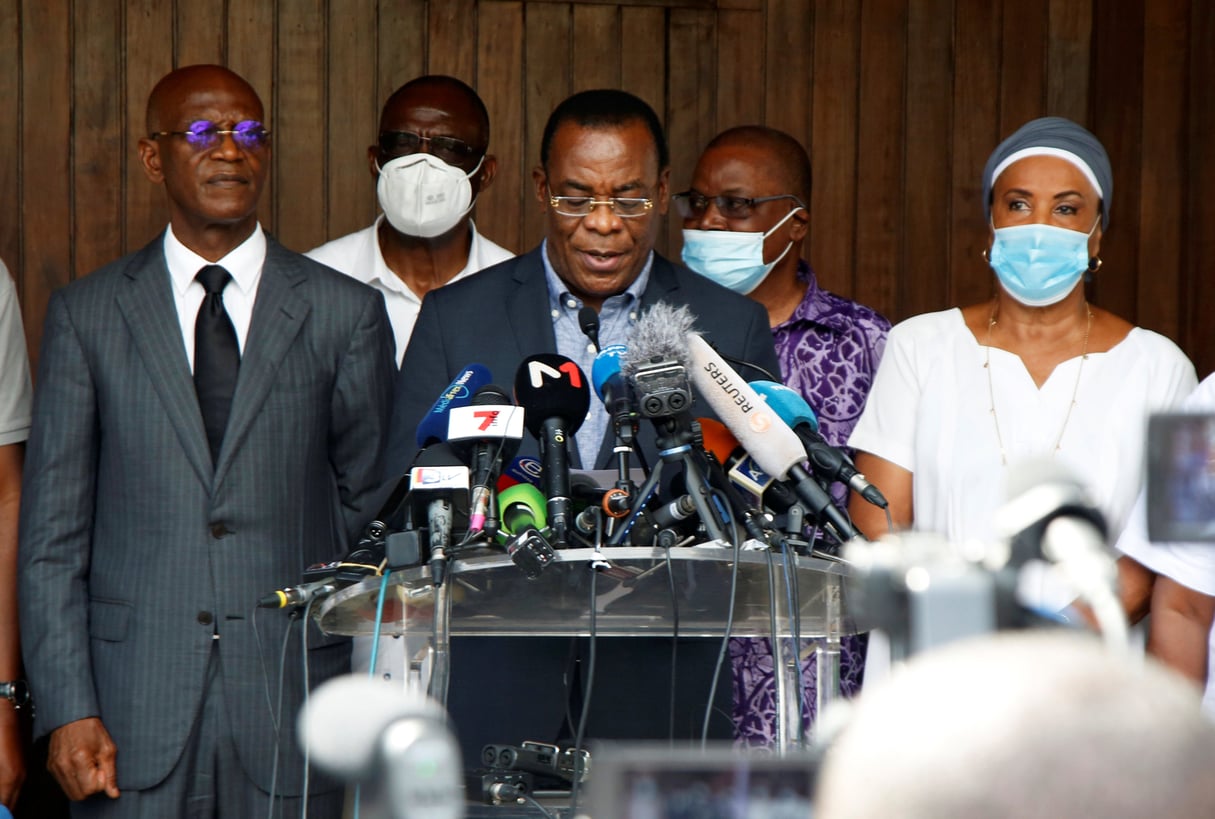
x,y
486,594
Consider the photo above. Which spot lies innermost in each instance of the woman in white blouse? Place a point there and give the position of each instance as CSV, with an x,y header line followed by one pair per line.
x,y
1035,372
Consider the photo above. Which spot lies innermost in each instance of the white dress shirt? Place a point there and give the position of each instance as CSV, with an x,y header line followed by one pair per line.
x,y
244,263
358,255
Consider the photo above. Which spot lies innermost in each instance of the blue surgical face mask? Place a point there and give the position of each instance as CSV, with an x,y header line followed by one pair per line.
x,y
734,259
1039,264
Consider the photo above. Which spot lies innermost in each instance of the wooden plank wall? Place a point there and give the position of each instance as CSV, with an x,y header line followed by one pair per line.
x,y
900,102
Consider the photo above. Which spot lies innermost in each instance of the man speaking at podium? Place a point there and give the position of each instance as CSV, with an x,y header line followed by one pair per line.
x,y
603,184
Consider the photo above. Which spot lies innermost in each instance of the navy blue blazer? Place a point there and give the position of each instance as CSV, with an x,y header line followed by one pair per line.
x,y
500,316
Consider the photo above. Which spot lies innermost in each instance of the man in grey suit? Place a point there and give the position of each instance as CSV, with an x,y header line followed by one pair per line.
x,y
152,523
603,184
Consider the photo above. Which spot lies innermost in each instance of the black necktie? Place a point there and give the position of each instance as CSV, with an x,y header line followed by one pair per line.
x,y
216,356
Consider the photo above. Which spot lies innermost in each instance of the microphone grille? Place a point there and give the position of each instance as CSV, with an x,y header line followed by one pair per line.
x,y
661,333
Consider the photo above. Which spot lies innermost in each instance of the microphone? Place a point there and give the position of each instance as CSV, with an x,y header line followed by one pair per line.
x,y
555,398
433,426
294,597
655,362
651,522
614,503
747,487
439,478
769,440
522,511
522,469
1051,514
393,740
491,426
614,389
588,321
616,393
741,468
828,462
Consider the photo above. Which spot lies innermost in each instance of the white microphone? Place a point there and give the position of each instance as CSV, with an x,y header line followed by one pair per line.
x,y
768,439
490,428
369,731
435,485
1049,512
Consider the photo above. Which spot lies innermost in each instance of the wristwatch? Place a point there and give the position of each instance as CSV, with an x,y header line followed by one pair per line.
x,y
17,692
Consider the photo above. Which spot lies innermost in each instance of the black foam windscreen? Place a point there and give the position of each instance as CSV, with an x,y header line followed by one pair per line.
x,y
548,386
438,454
491,394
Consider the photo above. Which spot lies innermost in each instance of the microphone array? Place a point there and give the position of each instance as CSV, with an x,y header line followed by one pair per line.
x,y
762,459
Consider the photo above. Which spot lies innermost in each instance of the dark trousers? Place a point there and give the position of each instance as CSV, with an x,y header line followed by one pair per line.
x,y
208,781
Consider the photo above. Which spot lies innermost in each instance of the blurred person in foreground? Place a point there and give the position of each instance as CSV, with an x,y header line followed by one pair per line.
x,y
1026,724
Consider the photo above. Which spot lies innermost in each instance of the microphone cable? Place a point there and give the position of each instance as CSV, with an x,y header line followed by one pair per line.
x,y
307,748
375,651
674,642
736,542
590,683
379,620
738,362
793,604
469,534
276,711
531,800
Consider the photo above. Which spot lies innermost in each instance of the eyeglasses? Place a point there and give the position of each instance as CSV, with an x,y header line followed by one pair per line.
x,y
626,207
204,135
449,149
693,204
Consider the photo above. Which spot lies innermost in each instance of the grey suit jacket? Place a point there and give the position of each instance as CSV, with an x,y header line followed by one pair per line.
x,y
501,315
135,549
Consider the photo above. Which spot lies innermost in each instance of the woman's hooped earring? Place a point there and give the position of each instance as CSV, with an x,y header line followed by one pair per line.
x,y
1094,264
986,258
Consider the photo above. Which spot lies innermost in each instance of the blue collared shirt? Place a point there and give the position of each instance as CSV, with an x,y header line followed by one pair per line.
x,y
616,319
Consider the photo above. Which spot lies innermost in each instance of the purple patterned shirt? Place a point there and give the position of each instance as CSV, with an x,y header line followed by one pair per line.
x,y
829,351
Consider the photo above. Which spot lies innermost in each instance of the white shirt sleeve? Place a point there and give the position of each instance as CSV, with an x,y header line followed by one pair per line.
x,y
15,388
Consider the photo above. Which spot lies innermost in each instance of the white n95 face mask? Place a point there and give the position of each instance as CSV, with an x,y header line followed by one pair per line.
x,y
423,196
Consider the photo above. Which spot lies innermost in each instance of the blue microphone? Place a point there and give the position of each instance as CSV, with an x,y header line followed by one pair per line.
x,y
433,426
828,462
610,384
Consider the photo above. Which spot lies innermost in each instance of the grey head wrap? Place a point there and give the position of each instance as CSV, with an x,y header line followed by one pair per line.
x,y
1054,136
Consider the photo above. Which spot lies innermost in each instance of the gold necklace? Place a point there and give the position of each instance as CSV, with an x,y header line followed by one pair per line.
x,y
991,392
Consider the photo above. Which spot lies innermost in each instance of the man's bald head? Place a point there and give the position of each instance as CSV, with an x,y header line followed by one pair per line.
x,y
442,93
1035,723
175,86
787,158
